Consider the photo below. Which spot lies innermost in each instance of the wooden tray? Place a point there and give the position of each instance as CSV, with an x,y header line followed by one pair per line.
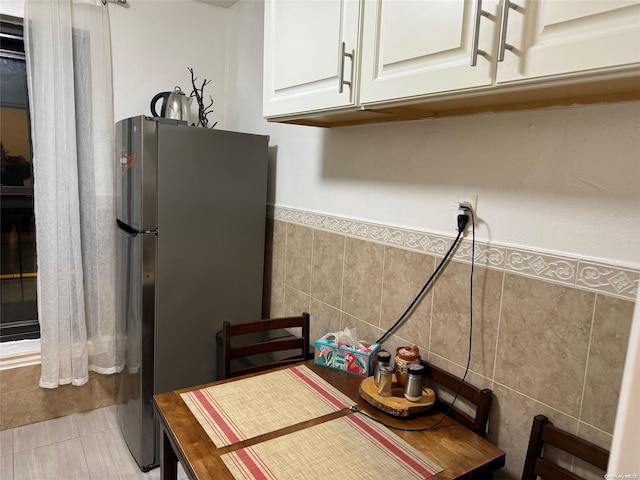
x,y
396,405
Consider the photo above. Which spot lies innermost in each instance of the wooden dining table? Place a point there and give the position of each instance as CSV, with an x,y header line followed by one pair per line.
x,y
459,452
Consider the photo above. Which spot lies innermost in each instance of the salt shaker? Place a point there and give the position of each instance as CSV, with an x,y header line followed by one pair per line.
x,y
413,388
386,381
384,358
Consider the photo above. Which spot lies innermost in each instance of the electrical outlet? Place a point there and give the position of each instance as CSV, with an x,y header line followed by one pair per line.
x,y
470,199
455,206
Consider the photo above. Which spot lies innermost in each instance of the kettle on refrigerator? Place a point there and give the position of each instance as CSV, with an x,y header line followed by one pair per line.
x,y
175,105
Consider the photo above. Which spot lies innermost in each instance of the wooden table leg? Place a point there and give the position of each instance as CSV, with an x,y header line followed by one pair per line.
x,y
168,459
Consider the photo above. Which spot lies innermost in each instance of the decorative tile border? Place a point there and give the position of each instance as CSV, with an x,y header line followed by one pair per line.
x,y
490,256
616,281
586,275
546,267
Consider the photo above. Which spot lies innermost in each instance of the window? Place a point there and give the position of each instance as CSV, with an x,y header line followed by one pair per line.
x,y
19,316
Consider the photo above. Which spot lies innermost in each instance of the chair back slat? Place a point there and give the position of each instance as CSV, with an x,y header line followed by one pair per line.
x,y
576,446
544,433
545,469
269,346
238,343
267,324
480,398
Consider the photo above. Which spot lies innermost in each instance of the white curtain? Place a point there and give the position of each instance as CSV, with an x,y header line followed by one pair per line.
x,y
71,107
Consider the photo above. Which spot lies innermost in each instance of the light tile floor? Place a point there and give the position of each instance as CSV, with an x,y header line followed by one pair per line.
x,y
82,446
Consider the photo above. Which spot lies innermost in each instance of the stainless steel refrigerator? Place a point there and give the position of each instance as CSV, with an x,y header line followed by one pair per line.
x,y
191,211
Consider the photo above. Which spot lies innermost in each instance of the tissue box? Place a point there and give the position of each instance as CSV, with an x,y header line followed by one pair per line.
x,y
343,357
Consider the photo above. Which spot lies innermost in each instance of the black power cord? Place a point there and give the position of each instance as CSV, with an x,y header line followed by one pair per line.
x,y
463,220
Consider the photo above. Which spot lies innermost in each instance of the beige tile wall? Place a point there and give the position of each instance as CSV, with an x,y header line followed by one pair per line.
x,y
23,402
554,343
542,344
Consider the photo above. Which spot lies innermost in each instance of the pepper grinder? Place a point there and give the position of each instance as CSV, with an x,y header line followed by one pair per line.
x,y
413,388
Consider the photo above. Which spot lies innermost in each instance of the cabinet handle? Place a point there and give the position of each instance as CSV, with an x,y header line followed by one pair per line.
x,y
503,45
475,51
341,81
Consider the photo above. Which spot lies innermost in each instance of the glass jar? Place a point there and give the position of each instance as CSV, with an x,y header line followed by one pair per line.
x,y
405,356
386,381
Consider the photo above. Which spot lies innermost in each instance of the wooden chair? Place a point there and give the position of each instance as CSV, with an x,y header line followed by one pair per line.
x,y
254,347
480,398
544,433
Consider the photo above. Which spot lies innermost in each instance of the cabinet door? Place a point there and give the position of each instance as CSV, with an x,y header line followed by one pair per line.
x,y
555,37
418,47
303,53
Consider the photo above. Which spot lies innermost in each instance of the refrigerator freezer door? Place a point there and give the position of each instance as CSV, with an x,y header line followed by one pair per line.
x,y
135,332
136,173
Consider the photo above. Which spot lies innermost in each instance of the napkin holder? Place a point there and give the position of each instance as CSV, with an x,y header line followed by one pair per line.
x,y
358,359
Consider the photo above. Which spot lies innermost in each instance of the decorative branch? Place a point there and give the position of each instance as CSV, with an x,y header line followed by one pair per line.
x,y
203,112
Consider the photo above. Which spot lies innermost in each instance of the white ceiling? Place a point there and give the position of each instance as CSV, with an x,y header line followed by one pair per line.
x,y
220,3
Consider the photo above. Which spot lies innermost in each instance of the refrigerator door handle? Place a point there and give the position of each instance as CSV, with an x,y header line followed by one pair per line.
x,y
126,229
132,232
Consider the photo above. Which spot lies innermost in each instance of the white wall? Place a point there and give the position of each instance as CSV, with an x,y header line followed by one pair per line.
x,y
15,8
565,180
153,43
624,449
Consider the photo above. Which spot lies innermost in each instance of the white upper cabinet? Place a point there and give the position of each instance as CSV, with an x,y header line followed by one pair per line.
x,y
418,47
303,57
546,38
340,62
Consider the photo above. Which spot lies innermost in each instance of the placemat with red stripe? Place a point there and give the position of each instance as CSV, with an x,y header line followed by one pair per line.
x,y
352,447
235,411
